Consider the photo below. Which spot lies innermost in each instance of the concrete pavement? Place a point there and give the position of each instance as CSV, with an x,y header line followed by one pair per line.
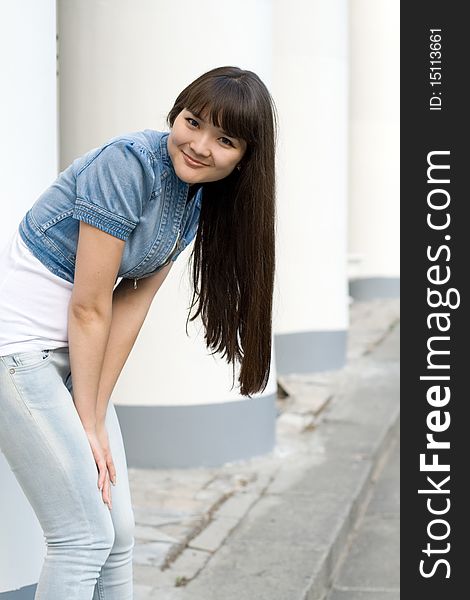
x,y
277,526
370,567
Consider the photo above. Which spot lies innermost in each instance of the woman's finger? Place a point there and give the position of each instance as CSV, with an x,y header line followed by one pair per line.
x,y
102,469
107,492
111,470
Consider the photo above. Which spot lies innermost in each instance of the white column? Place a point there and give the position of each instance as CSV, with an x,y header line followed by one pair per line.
x,y
122,64
28,155
310,76
374,242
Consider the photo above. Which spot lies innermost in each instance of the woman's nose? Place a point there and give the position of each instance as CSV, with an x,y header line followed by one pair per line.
x,y
200,146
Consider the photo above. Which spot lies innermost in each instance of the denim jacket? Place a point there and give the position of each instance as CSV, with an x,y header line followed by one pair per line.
x,y
127,188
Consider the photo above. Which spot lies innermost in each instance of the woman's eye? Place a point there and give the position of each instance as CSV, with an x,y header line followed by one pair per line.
x,y
226,141
192,121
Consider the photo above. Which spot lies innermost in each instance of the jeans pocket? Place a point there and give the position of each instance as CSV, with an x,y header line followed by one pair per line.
x,y
26,361
37,379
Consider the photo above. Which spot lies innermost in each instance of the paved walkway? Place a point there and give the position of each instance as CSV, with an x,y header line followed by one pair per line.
x,y
370,568
276,527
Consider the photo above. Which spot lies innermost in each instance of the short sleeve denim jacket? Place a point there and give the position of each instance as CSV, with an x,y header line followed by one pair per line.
x,y
128,188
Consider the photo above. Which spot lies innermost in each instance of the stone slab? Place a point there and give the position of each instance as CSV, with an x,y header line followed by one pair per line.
x,y
367,566
363,595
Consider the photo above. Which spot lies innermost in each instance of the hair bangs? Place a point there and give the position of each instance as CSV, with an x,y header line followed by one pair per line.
x,y
226,104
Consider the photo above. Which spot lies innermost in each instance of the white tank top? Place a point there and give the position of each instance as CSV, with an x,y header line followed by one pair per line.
x,y
33,302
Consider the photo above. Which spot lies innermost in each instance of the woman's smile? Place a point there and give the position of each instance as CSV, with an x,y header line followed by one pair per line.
x,y
193,162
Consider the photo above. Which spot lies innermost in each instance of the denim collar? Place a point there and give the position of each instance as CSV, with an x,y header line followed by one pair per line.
x,y
166,160
164,154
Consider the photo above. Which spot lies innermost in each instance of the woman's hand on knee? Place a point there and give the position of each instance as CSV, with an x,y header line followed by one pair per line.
x,y
102,457
103,439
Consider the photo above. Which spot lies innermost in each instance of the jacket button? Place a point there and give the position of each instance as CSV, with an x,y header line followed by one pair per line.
x,y
12,371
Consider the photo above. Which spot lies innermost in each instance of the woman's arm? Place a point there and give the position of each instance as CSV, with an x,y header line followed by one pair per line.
x,y
90,314
129,309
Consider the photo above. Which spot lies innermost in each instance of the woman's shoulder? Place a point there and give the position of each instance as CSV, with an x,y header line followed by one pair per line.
x,y
146,145
149,140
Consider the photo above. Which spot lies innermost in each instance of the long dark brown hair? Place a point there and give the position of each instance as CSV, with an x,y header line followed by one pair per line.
x,y
233,257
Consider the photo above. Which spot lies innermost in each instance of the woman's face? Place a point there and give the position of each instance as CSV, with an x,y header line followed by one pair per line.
x,y
201,152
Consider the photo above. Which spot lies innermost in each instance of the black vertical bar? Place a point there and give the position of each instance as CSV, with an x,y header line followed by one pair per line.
x,y
435,265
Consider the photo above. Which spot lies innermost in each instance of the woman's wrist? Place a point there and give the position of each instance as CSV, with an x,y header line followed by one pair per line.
x,y
100,417
90,426
100,424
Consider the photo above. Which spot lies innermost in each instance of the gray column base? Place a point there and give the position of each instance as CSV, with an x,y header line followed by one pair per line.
x,y
310,351
205,435
369,288
24,593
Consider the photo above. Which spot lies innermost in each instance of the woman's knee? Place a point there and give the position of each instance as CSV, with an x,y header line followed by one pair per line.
x,y
124,528
103,536
89,543
99,536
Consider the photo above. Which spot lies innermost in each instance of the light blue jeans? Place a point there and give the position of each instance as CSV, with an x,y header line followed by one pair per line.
x,y
89,547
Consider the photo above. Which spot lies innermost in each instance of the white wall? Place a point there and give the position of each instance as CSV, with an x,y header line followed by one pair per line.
x,y
28,118
311,88
28,155
374,150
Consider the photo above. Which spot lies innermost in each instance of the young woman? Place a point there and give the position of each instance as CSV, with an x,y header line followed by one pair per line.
x,y
126,210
